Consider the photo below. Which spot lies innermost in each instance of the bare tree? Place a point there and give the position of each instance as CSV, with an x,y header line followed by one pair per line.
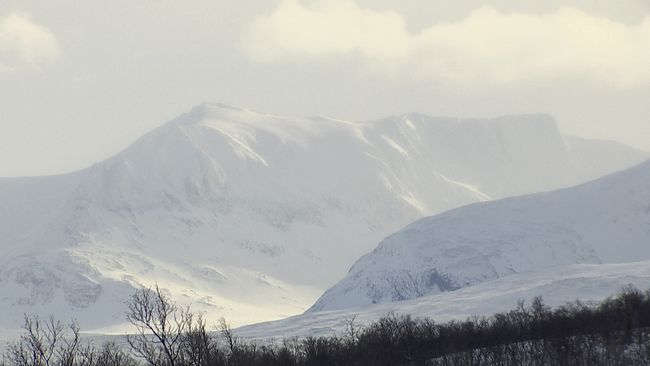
x,y
200,348
227,333
159,325
352,328
46,343
231,340
68,348
111,355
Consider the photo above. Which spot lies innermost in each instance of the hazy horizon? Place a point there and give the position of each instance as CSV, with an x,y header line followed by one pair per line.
x,y
120,148
80,82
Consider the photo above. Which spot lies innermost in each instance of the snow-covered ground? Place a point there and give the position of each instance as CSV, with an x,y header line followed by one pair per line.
x,y
589,283
557,285
251,216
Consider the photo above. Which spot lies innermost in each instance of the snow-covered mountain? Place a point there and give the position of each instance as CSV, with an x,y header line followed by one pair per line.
x,y
589,283
250,215
604,221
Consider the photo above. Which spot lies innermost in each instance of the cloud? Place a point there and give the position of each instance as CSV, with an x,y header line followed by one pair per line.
x,y
24,43
485,48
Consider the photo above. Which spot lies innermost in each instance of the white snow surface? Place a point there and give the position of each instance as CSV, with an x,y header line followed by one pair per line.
x,y
589,283
604,221
251,216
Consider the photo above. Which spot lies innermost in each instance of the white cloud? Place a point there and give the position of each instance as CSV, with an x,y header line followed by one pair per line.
x,y
485,48
24,43
332,27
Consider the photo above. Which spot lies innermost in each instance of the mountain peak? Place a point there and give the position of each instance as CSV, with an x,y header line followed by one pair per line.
x,y
212,106
208,110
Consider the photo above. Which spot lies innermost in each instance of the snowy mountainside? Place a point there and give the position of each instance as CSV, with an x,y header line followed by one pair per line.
x,y
250,215
589,283
603,221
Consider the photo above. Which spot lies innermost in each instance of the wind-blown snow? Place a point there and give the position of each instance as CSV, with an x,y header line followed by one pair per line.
x,y
252,216
604,221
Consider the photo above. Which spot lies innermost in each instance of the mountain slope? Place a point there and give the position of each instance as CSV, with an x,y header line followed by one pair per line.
x,y
557,286
250,215
604,221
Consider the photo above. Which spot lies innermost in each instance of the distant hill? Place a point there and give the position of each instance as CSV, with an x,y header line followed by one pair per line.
x,y
604,221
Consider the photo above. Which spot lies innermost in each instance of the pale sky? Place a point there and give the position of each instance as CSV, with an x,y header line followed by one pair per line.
x,y
80,80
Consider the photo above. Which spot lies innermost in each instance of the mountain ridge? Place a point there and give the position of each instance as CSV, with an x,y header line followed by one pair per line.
x,y
223,206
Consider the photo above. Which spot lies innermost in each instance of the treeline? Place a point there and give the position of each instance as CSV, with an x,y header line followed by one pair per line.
x,y
615,332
